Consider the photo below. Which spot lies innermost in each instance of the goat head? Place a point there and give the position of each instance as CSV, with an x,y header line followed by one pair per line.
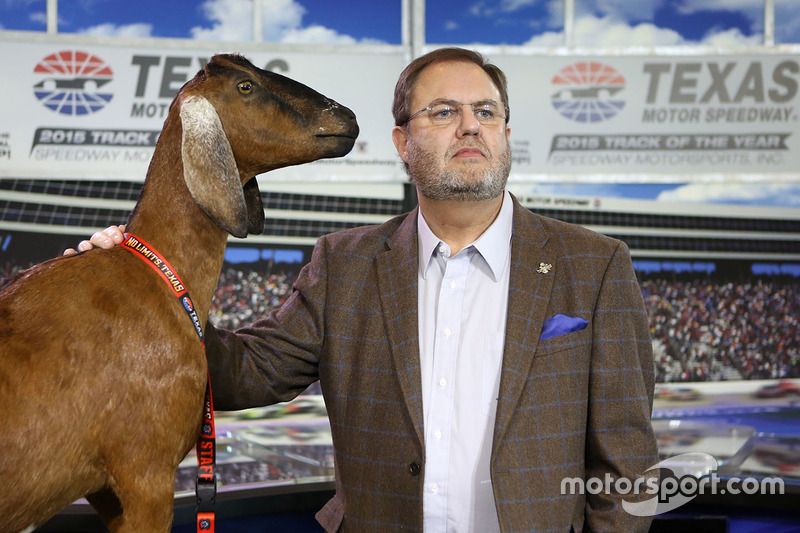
x,y
222,151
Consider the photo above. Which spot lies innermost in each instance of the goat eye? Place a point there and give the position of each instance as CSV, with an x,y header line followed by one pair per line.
x,y
245,87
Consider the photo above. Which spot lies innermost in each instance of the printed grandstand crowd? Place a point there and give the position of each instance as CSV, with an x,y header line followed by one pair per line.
x,y
244,296
710,331
702,329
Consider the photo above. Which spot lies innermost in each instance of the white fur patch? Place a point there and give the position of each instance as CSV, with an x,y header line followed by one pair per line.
x,y
209,167
197,112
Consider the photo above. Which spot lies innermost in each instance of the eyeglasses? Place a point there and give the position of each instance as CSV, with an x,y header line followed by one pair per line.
x,y
446,112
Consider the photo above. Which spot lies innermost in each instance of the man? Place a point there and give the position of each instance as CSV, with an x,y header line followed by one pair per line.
x,y
472,355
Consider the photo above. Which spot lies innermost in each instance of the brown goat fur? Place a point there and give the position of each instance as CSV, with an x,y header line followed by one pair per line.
x,y
101,374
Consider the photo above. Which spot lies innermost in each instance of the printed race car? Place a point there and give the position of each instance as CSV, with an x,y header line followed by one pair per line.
x,y
678,394
581,93
780,389
74,84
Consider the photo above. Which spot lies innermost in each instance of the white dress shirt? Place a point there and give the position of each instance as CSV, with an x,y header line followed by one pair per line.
x,y
463,301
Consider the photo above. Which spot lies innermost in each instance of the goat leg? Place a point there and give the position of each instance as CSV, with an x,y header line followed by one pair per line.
x,y
146,498
108,506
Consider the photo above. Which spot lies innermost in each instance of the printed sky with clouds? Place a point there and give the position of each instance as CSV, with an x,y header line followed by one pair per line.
x,y
532,22
538,23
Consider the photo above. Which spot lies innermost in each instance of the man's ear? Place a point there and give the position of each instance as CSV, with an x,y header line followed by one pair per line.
x,y
400,140
508,133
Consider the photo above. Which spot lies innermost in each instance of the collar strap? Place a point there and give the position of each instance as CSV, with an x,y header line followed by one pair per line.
x,y
206,483
152,258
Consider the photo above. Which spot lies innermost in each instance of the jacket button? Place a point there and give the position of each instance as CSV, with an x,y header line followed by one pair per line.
x,y
414,469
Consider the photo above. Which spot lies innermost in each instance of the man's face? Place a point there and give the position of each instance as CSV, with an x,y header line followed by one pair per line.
x,y
463,160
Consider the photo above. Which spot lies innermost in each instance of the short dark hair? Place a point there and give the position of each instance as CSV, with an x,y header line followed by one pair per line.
x,y
407,79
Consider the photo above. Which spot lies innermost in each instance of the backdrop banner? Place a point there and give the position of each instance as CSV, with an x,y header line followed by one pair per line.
x,y
94,111
678,115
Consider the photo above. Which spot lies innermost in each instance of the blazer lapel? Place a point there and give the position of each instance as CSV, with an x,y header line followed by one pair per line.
x,y
530,285
397,282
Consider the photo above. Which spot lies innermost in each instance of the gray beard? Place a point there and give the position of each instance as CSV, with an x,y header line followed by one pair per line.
x,y
437,184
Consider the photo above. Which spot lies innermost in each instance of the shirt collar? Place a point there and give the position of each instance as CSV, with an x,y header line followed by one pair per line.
x,y
494,244
428,242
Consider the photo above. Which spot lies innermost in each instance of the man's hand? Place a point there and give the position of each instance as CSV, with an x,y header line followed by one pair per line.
x,y
106,239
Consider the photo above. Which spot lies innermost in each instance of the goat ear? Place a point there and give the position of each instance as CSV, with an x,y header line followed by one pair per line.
x,y
209,167
255,208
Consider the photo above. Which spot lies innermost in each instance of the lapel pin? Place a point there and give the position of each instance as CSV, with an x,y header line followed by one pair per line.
x,y
544,268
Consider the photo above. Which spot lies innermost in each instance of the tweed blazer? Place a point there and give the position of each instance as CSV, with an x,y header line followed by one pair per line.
x,y
573,405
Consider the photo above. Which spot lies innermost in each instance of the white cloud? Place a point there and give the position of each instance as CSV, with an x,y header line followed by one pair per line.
x,y
232,20
730,38
556,10
41,18
509,6
753,10
451,25
493,8
547,39
281,21
124,30
614,29
608,32
772,194
620,9
787,24
605,32
317,34
692,6
38,16
17,3
480,9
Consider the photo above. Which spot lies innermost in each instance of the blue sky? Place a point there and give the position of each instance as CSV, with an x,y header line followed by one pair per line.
x,y
533,22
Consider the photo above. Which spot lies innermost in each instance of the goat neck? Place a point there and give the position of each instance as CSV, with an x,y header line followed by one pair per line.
x,y
168,218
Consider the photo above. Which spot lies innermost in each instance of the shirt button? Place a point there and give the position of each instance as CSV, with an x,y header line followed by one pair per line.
x,y
438,435
442,249
443,383
447,332
414,469
435,488
452,284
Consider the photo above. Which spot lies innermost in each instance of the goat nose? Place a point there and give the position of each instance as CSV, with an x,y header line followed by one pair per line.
x,y
333,105
354,129
348,113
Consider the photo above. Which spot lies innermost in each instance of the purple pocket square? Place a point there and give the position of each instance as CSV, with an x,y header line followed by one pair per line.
x,y
560,324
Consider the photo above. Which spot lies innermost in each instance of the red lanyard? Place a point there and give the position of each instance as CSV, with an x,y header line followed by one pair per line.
x,y
206,483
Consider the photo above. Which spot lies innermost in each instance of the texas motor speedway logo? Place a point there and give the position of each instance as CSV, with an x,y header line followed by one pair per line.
x,y
71,82
74,84
587,91
698,115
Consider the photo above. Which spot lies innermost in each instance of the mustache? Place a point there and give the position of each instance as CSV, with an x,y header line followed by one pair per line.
x,y
475,145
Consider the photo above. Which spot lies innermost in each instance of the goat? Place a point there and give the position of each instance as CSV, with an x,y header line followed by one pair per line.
x,y
102,377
